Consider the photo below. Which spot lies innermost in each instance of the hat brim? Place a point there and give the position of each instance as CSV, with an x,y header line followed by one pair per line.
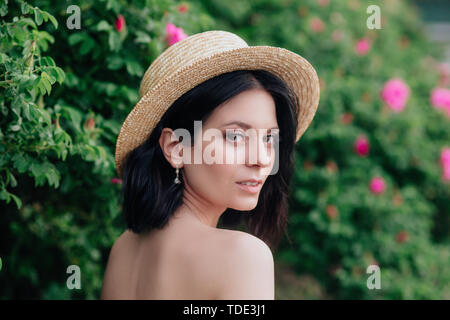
x,y
296,71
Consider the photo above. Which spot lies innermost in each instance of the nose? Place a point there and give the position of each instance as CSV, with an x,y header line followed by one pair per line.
x,y
258,152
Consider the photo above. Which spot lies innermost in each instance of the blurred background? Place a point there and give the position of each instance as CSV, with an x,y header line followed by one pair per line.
x,y
372,179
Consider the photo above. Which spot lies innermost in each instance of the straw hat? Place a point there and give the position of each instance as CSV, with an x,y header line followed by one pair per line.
x,y
200,57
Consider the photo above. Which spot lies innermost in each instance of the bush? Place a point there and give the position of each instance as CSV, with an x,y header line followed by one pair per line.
x,y
64,94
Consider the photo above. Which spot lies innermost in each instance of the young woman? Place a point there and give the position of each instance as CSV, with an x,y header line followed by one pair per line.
x,y
253,103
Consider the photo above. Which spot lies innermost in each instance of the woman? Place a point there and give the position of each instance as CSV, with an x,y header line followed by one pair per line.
x,y
256,102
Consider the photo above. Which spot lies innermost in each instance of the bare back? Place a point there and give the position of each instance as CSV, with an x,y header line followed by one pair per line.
x,y
172,263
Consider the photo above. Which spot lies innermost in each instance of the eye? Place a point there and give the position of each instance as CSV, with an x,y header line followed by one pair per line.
x,y
234,136
271,138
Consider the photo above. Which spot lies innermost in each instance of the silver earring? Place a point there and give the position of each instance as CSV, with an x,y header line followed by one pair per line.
x,y
177,181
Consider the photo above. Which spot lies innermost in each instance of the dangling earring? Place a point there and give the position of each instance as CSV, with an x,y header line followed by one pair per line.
x,y
177,181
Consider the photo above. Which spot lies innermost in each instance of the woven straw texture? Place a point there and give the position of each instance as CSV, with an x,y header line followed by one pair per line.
x,y
200,57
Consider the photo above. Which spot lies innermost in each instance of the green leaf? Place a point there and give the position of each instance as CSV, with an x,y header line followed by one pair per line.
x,y
40,113
114,62
87,45
45,82
3,8
52,174
4,195
16,200
142,37
47,61
4,58
114,5
48,16
26,111
14,127
88,153
38,16
28,22
51,74
72,114
24,8
103,25
10,178
20,163
37,172
134,68
20,33
114,41
76,37
61,75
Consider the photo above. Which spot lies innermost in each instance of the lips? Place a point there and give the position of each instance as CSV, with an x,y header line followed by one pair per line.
x,y
250,188
259,181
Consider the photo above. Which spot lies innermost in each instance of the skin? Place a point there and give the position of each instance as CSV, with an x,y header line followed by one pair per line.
x,y
190,258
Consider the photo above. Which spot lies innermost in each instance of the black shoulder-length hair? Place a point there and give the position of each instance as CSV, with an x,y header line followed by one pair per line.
x,y
150,196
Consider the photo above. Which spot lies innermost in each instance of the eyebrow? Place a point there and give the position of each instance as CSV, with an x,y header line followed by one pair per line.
x,y
243,125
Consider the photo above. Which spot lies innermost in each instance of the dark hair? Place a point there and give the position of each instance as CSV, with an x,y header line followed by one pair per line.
x,y
151,197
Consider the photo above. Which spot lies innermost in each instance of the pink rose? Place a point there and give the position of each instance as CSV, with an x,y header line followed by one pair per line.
x,y
116,181
120,23
440,98
323,3
446,173
377,185
361,146
174,34
395,93
445,156
362,46
316,25
183,8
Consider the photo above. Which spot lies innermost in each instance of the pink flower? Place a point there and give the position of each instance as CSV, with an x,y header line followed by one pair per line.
x,y
361,146
116,181
377,185
445,156
183,8
362,46
445,163
316,25
347,118
174,34
120,23
395,93
323,3
440,98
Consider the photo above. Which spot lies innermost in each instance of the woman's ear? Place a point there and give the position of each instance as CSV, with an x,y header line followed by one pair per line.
x,y
171,147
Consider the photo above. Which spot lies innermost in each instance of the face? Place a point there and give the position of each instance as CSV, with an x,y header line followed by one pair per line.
x,y
252,150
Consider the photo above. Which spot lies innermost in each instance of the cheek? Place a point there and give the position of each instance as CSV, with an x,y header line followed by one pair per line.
x,y
211,181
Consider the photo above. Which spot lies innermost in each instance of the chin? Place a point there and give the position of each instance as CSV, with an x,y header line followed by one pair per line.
x,y
249,205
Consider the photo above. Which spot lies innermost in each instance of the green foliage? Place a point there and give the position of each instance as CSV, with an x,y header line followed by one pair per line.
x,y
64,94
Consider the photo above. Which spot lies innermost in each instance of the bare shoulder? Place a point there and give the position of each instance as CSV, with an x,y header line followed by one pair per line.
x,y
246,267
239,242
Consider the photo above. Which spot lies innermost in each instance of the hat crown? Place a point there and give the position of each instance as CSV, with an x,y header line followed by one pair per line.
x,y
186,52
